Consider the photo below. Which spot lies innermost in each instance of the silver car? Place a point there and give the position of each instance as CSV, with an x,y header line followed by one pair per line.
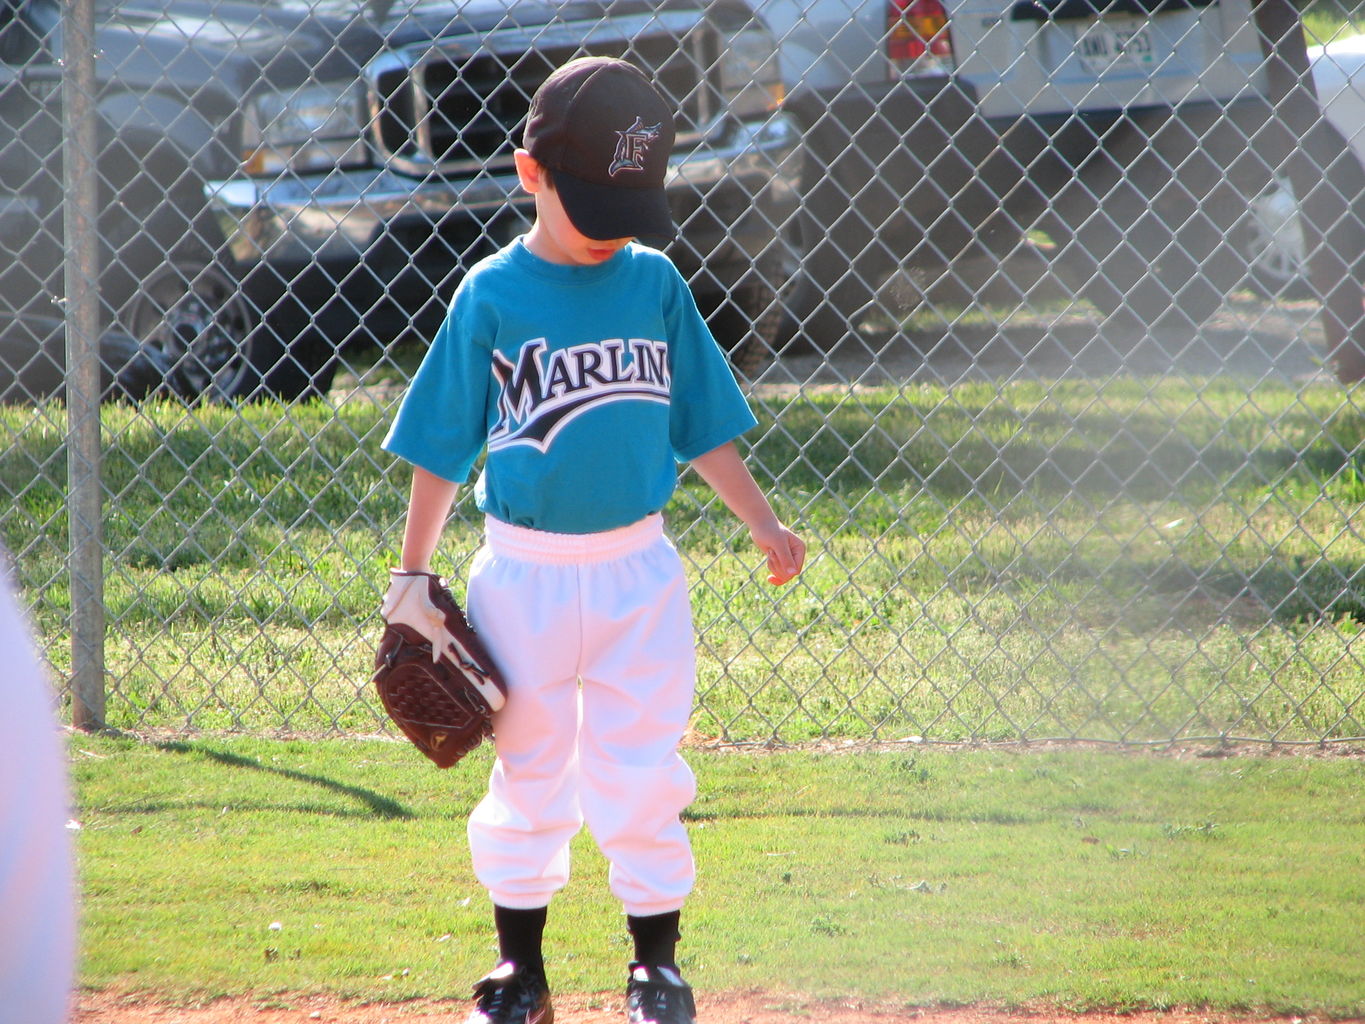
x,y
937,130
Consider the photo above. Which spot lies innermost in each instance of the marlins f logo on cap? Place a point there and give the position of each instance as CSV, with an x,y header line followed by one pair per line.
x,y
630,150
606,134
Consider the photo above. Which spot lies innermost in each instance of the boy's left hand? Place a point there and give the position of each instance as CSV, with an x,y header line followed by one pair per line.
x,y
725,471
785,551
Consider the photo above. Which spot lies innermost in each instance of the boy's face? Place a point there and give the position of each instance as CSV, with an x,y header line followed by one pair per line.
x,y
553,237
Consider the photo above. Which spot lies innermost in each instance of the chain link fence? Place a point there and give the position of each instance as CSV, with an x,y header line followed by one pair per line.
x,y
1051,311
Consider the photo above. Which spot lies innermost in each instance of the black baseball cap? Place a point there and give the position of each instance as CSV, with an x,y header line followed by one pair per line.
x,y
606,134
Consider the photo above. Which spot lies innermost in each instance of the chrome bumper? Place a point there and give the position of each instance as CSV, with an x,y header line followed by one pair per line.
x,y
334,218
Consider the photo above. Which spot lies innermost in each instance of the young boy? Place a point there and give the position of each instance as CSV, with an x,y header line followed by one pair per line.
x,y
577,359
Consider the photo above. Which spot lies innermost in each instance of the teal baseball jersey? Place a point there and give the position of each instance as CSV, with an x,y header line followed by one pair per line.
x,y
584,386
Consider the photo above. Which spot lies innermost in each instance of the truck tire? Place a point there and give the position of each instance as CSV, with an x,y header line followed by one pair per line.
x,y
1147,228
752,320
191,315
892,178
174,287
844,260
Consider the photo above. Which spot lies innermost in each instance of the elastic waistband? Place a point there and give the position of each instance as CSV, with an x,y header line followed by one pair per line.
x,y
571,548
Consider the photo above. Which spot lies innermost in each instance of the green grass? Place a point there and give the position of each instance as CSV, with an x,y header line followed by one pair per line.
x,y
1074,879
1326,20
1128,560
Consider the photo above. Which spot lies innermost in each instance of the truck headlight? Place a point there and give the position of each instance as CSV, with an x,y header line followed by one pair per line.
x,y
316,126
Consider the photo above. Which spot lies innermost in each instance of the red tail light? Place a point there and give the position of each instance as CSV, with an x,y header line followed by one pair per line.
x,y
917,29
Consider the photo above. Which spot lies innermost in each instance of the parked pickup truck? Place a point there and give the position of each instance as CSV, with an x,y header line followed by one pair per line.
x,y
1127,131
279,179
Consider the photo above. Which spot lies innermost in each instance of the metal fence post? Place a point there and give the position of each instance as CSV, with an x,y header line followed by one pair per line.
x,y
86,552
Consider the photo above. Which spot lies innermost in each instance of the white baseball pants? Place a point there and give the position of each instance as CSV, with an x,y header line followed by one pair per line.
x,y
594,636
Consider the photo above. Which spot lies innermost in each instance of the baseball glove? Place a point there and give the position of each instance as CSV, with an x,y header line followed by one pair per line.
x,y
433,674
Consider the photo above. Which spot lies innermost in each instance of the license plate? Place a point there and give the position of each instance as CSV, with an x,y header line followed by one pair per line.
x,y
1113,44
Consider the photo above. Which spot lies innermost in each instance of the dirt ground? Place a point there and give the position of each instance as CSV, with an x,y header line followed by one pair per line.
x,y
723,1008
1007,321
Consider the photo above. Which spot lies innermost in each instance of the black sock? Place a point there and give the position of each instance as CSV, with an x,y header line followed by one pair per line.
x,y
656,938
519,936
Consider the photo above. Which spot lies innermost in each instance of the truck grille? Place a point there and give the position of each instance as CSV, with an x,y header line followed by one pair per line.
x,y
457,107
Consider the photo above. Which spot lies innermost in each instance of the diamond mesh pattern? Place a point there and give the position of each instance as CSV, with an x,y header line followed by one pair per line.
x,y
1054,343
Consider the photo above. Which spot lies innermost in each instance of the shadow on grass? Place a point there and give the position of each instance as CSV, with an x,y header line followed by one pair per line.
x,y
1159,593
1142,439
379,806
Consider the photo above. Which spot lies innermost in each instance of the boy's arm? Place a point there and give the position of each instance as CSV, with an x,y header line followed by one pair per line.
x,y
414,597
428,507
724,470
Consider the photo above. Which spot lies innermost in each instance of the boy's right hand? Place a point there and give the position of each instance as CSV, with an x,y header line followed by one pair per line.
x,y
406,603
415,601
421,606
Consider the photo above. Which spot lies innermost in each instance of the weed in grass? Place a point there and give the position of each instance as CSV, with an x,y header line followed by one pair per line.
x,y
1206,830
902,837
824,925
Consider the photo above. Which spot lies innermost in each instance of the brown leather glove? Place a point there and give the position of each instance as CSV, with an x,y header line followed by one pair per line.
x,y
433,673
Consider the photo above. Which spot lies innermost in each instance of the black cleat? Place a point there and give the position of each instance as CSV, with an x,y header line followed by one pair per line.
x,y
510,995
658,995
